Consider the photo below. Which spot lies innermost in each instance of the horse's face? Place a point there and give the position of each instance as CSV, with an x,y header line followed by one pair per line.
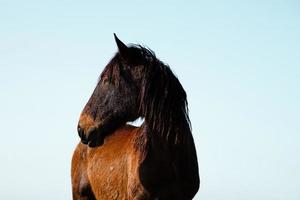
x,y
114,100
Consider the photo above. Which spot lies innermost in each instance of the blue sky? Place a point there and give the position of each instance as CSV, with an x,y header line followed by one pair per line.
x,y
238,61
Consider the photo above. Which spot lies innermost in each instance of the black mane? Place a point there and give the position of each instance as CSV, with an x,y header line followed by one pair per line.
x,y
163,100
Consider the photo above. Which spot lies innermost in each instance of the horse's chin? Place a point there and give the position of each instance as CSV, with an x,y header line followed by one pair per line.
x,y
97,136
96,141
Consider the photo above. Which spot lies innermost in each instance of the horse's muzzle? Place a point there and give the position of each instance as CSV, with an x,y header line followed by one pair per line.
x,y
82,135
91,137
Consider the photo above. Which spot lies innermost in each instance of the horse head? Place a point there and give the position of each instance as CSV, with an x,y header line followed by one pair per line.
x,y
115,97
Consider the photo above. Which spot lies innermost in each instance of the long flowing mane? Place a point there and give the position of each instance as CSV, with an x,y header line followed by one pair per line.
x,y
163,99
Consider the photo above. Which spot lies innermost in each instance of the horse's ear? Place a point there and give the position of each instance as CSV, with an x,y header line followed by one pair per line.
x,y
123,49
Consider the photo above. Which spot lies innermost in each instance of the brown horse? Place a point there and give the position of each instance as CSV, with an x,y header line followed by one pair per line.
x,y
116,161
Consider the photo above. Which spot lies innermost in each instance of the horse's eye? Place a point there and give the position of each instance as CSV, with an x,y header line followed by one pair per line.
x,y
105,80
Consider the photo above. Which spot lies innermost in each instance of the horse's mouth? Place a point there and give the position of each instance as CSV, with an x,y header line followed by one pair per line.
x,y
95,135
93,138
93,143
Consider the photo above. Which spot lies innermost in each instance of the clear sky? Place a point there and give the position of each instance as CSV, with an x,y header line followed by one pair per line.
x,y
239,62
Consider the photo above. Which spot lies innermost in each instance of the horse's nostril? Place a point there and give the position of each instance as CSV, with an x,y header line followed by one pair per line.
x,y
80,131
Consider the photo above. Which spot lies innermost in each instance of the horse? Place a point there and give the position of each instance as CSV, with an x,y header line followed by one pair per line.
x,y
156,160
